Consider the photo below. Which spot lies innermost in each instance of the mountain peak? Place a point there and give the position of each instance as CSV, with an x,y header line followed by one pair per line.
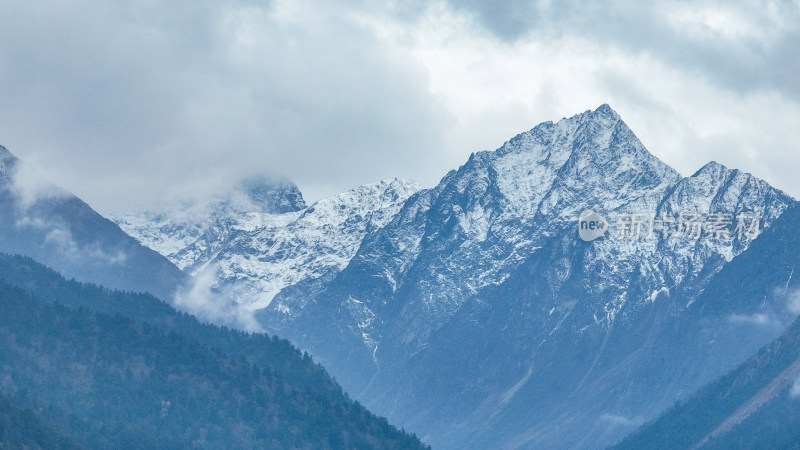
x,y
606,110
372,195
7,162
400,185
711,168
273,196
715,187
4,153
603,116
543,137
593,153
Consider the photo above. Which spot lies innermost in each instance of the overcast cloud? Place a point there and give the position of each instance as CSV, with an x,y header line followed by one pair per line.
x,y
124,103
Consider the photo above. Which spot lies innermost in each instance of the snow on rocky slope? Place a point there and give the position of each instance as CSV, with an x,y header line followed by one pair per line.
x,y
262,237
482,221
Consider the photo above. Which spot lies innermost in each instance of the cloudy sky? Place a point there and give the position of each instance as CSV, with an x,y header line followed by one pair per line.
x,y
126,102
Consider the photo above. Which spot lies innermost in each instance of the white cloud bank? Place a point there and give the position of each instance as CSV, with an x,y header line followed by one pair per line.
x,y
204,298
125,102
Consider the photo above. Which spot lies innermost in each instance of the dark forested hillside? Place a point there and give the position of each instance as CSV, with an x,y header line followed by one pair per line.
x,y
110,369
279,355
21,429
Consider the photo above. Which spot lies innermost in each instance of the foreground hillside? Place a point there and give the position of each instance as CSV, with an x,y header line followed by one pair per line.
x,y
139,374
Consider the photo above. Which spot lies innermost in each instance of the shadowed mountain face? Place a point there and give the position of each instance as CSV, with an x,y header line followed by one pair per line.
x,y
473,313
757,405
55,227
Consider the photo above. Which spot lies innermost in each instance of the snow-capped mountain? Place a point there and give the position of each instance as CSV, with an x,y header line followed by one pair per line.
x,y
479,286
474,314
172,228
261,238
